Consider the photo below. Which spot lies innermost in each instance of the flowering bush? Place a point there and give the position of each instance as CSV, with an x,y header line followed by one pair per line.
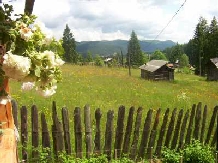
x,y
30,55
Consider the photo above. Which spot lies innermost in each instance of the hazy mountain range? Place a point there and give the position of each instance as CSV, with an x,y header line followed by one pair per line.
x,y
105,48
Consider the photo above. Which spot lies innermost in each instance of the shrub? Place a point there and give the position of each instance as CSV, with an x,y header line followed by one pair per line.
x,y
170,156
197,152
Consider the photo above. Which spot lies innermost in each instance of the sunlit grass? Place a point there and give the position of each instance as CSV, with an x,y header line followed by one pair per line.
x,y
108,88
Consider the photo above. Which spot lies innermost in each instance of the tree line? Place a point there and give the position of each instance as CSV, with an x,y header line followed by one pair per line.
x,y
197,52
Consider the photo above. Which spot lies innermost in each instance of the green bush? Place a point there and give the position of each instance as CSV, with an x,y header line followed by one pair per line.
x,y
194,152
197,153
170,156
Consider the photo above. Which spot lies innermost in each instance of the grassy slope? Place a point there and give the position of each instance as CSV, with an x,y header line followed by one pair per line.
x,y
108,88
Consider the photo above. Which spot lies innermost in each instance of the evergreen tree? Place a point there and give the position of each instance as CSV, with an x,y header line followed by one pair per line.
x,y
200,42
134,51
69,46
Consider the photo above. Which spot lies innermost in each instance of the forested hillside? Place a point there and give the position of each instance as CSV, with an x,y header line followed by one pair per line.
x,y
109,47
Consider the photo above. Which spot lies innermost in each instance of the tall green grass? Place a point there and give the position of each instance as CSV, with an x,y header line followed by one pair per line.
x,y
108,88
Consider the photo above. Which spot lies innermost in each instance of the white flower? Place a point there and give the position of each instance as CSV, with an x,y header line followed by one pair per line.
x,y
27,86
47,40
47,92
16,67
59,62
26,33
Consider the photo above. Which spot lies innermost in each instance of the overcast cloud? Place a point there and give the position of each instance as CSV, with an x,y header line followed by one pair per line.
x,y
115,19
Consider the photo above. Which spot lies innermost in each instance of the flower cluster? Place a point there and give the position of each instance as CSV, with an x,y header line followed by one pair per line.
x,y
32,56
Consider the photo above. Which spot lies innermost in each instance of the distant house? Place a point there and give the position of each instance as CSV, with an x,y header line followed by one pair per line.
x,y
157,70
212,71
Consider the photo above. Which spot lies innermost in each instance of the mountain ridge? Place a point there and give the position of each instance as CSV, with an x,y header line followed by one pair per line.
x,y
105,47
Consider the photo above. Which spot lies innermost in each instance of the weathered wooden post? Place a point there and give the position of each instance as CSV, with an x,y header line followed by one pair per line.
x,y
24,133
162,133
58,142
134,145
126,142
119,130
145,135
35,132
109,134
88,130
66,127
97,148
78,132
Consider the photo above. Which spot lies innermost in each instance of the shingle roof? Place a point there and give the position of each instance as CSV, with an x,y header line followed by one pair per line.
x,y
214,61
153,65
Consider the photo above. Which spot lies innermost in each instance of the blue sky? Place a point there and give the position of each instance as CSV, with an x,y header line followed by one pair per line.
x,y
115,19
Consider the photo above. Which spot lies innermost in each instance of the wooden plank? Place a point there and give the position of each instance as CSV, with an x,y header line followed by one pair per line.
x,y
109,134
177,129
145,135
203,124
66,128
35,132
153,134
162,133
88,131
211,126
46,143
189,130
197,121
119,130
24,133
215,136
126,143
170,128
134,145
182,132
78,132
15,112
58,142
97,141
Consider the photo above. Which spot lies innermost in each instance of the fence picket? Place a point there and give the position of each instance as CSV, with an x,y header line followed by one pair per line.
x,y
197,121
189,130
182,132
211,126
78,132
58,142
109,134
119,130
145,135
24,133
203,124
97,141
126,143
170,128
153,134
177,129
88,130
66,128
46,143
35,132
162,133
134,145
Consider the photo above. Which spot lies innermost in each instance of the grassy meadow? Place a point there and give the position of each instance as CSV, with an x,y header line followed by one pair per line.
x,y
108,88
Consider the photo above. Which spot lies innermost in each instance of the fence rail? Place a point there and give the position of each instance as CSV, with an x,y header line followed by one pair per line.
x,y
132,137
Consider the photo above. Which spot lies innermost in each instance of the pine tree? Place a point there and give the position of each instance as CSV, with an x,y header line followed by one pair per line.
x,y
134,51
200,44
69,46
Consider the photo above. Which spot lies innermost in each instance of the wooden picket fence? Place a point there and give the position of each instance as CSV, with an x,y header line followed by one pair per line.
x,y
131,137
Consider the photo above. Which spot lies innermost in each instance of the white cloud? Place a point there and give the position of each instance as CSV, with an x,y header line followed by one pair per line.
x,y
112,19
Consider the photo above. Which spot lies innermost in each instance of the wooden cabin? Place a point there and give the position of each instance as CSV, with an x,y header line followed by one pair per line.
x,y
157,70
212,69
